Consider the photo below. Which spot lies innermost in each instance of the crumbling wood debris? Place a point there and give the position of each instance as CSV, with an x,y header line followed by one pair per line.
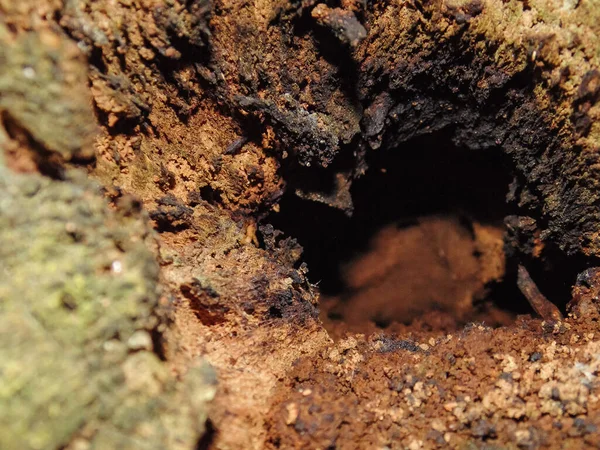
x,y
544,307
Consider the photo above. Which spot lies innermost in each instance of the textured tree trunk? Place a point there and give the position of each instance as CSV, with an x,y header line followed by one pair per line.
x,y
159,158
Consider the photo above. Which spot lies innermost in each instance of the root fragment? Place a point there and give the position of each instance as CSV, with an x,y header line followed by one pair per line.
x,y
544,307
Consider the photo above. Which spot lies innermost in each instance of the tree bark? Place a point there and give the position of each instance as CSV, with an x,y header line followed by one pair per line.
x,y
196,118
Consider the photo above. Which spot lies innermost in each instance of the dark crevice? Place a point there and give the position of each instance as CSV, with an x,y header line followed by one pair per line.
x,y
49,163
158,344
555,273
207,439
425,177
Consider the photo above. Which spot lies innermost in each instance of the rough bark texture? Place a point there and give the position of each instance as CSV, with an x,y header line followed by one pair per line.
x,y
196,118
78,289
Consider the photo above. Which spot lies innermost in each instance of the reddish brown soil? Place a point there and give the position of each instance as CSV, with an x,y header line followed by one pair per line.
x,y
436,265
477,388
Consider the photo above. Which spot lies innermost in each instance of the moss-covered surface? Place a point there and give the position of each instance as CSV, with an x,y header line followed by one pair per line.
x,y
43,83
78,288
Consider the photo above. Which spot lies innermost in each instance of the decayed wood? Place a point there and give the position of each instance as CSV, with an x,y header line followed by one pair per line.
x,y
545,308
206,112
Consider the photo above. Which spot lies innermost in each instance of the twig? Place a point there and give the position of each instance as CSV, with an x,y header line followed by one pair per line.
x,y
545,308
236,146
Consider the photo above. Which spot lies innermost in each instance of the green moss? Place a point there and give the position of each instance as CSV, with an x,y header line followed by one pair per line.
x,y
77,281
43,81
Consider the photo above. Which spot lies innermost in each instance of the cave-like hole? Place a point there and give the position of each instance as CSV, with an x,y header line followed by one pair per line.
x,y
424,244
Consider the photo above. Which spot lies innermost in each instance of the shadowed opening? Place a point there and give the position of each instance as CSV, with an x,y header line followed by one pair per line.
x,y
424,244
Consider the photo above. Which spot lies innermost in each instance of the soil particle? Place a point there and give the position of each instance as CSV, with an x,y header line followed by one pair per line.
x,y
342,23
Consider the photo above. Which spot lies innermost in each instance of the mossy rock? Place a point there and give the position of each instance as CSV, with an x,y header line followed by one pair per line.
x,y
78,288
